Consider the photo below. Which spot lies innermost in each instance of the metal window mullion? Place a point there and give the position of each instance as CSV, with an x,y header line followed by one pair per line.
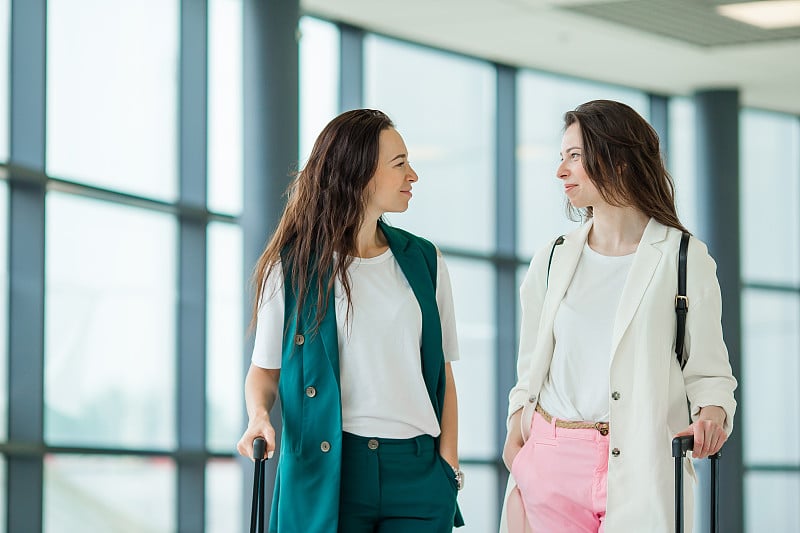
x,y
506,245
351,67
271,125
717,124
192,268
25,474
659,119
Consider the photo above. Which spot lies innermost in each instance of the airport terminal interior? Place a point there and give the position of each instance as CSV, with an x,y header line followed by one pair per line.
x,y
145,148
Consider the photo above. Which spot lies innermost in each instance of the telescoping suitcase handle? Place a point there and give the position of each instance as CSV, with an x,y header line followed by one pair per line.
x,y
257,509
681,445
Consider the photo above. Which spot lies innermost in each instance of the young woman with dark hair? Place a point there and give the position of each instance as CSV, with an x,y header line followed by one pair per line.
x,y
600,393
355,329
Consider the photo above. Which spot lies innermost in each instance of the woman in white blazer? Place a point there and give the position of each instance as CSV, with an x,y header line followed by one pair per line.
x,y
600,393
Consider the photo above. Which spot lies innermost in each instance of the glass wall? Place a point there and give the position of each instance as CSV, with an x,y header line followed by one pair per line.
x,y
319,80
4,55
770,247
449,136
682,158
112,95
114,443
120,494
225,106
225,324
109,325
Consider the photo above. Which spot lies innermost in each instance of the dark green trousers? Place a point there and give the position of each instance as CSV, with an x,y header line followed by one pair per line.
x,y
395,486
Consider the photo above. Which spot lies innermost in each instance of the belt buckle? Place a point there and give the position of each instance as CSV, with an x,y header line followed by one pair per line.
x,y
602,427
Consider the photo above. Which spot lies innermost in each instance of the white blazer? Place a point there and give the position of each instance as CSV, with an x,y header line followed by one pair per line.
x,y
644,371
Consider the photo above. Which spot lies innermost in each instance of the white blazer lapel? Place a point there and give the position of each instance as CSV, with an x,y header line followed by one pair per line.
x,y
644,266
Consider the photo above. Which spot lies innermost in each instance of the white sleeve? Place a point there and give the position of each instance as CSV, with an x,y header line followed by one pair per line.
x,y
444,299
532,293
269,325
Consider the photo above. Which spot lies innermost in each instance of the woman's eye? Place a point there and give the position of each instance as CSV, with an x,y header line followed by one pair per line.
x,y
575,156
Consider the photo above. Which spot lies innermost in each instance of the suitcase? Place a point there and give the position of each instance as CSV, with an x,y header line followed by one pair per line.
x,y
680,445
257,509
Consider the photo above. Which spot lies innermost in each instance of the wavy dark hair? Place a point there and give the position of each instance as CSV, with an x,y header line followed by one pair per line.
x,y
622,157
316,237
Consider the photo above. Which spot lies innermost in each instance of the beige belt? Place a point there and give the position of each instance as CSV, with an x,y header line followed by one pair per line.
x,y
602,427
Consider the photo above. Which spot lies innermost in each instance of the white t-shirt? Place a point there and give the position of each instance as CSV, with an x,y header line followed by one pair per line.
x,y
382,389
577,387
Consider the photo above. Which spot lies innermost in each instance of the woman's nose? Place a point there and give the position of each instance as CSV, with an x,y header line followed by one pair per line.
x,y
561,171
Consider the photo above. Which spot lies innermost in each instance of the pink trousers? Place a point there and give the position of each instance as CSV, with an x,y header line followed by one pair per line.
x,y
562,475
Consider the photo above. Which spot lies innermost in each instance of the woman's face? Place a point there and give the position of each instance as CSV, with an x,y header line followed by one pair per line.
x,y
389,190
579,189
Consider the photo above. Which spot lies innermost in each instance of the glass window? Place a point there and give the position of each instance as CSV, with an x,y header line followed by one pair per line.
x,y
682,160
478,500
3,310
770,187
109,324
543,99
225,372
474,295
224,496
450,135
121,494
771,368
771,501
225,149
319,80
4,54
112,74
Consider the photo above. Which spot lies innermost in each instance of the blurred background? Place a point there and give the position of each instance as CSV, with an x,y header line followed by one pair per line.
x,y
144,150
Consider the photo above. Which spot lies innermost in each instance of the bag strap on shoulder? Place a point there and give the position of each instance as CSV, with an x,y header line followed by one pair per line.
x,y
681,300
559,240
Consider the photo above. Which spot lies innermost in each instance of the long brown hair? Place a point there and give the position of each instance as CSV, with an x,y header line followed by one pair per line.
x,y
621,156
316,237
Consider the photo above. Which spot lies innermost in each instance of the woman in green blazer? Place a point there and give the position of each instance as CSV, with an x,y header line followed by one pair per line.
x,y
355,330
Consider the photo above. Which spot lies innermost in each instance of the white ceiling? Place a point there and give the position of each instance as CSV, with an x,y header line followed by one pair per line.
x,y
647,44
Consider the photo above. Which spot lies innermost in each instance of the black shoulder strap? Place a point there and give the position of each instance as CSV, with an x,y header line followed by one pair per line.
x,y
681,301
559,240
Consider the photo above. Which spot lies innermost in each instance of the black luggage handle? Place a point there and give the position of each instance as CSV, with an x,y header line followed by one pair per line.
x,y
257,509
681,445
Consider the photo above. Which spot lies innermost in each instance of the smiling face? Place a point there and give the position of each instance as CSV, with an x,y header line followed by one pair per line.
x,y
580,190
389,190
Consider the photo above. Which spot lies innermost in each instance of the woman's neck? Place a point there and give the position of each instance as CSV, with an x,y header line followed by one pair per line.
x,y
617,230
370,241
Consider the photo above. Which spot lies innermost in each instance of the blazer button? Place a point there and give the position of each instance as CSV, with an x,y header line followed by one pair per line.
x,y
299,340
325,446
615,395
311,392
615,452
532,399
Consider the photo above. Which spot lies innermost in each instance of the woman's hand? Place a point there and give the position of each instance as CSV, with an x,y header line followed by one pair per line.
x,y
708,432
514,440
258,426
